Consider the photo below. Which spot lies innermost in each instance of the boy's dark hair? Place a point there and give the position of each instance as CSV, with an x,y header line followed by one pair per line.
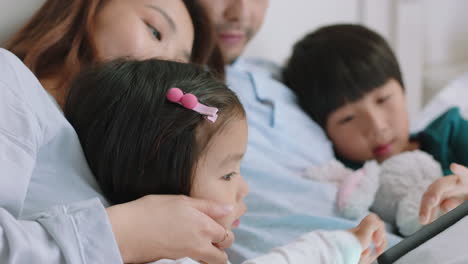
x,y
336,65
137,142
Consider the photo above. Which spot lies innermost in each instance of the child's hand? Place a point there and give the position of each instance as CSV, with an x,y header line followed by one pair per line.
x,y
370,230
445,194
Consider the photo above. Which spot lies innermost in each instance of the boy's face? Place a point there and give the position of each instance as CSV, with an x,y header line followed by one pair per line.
x,y
375,127
217,175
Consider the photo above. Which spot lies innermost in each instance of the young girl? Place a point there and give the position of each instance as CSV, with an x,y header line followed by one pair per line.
x,y
349,81
160,127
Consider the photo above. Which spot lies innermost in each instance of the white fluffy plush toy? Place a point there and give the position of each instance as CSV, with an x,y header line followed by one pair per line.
x,y
393,189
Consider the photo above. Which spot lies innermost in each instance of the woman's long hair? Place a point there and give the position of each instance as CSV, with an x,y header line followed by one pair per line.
x,y
58,40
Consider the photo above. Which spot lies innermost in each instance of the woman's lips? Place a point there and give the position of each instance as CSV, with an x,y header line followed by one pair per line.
x,y
231,38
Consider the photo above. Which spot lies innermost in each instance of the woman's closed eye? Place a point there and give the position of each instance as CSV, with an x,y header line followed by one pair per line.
x,y
154,32
383,99
229,176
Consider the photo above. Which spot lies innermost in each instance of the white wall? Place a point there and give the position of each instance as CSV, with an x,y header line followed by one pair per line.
x,y
446,31
446,43
429,36
14,13
289,20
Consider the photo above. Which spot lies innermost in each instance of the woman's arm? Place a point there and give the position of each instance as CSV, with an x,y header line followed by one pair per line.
x,y
78,233
83,232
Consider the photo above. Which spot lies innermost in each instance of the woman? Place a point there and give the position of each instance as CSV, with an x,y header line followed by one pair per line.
x,y
42,161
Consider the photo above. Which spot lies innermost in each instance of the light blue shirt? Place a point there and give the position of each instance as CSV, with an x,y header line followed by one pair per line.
x,y
283,142
42,165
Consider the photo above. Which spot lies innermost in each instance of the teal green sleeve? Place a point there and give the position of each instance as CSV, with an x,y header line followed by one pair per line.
x,y
446,138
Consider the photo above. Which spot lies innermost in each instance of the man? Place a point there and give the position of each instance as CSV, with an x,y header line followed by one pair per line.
x,y
283,141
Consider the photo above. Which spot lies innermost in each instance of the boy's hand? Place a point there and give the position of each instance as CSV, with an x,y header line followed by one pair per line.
x,y
370,230
445,194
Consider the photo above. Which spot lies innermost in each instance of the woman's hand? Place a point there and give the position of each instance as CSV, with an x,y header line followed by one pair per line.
x,y
169,226
444,194
370,230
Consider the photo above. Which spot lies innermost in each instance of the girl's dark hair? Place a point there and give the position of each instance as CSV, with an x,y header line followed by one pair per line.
x,y
136,142
336,65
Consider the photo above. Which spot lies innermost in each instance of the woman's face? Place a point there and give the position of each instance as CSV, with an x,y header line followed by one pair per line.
x,y
144,29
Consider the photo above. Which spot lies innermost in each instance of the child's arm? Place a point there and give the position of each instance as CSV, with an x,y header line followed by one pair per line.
x,y
331,246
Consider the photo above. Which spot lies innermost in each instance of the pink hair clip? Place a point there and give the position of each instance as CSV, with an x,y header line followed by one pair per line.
x,y
190,101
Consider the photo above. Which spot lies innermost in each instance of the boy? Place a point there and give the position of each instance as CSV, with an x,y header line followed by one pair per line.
x,y
349,81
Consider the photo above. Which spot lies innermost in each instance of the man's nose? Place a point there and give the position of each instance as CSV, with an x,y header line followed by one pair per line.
x,y
236,10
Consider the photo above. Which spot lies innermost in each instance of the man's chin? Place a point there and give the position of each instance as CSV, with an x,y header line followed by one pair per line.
x,y
231,57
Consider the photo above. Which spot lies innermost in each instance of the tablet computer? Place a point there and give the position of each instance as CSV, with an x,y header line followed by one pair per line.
x,y
427,233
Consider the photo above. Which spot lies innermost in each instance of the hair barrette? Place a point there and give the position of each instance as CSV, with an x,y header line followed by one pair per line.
x,y
190,101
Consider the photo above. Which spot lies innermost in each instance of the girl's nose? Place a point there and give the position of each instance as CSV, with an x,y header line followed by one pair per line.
x,y
243,189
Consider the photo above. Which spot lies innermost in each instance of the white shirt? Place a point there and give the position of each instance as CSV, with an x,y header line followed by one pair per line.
x,y
42,165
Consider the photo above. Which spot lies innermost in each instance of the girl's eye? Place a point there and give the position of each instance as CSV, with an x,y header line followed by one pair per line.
x,y
346,120
382,100
155,32
229,176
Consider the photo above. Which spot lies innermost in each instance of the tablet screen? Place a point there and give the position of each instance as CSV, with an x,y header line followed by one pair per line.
x,y
438,239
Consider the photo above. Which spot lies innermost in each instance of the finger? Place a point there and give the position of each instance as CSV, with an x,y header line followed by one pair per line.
x,y
365,230
366,257
213,255
381,248
450,204
380,239
366,252
213,209
219,236
427,204
434,194
459,170
213,234
371,220
434,214
226,243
